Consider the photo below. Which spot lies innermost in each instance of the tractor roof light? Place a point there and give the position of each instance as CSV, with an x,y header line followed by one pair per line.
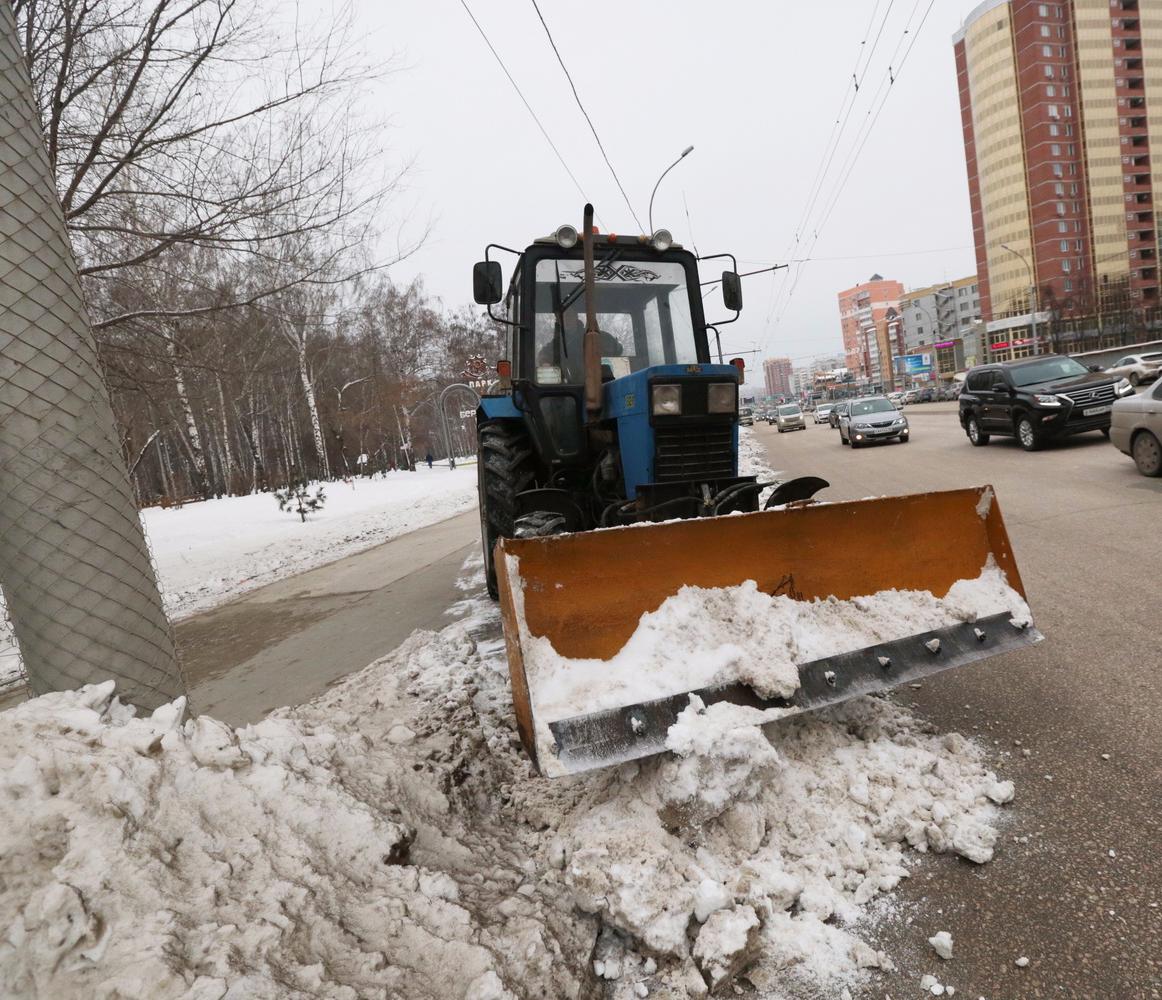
x,y
662,240
740,364
566,237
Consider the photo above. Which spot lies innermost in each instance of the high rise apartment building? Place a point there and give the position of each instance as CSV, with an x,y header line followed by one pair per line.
x,y
872,333
777,374
1061,108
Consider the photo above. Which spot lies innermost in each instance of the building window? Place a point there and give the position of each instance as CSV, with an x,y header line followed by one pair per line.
x,y
1061,208
1068,284
1046,51
1058,170
1053,130
1064,246
1052,109
1059,190
1044,30
1077,245
1066,266
1048,72
1055,149
1050,90
1043,10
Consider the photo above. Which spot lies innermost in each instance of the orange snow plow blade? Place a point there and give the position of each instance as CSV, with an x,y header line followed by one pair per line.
x,y
586,593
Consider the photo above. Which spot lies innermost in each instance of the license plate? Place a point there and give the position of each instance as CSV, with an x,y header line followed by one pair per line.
x,y
1093,411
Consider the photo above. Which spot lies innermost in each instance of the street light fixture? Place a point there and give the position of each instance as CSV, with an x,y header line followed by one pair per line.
x,y
685,153
1032,293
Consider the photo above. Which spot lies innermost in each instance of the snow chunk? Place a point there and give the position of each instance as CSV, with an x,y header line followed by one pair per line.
x,y
726,942
942,944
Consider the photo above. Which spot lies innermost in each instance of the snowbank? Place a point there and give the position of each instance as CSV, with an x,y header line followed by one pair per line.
x,y
209,552
388,840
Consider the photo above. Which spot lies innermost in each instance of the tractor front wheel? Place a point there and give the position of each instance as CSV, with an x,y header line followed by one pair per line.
x,y
504,469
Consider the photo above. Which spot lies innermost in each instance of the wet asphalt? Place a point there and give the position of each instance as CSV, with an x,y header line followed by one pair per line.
x,y
1076,722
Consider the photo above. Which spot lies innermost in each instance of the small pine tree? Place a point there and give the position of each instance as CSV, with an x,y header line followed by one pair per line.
x,y
298,500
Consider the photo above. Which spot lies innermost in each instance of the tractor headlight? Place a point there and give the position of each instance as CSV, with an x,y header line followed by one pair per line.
x,y
662,240
721,397
666,400
566,237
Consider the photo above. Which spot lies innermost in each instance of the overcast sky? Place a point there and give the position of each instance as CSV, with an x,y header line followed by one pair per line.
x,y
755,87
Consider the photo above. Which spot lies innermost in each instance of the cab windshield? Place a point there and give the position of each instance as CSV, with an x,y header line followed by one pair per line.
x,y
788,411
643,315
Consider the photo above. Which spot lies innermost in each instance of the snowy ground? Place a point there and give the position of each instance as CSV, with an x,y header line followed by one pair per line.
x,y
389,840
209,552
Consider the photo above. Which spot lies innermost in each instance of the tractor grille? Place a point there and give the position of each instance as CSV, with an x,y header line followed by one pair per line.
x,y
693,453
1092,397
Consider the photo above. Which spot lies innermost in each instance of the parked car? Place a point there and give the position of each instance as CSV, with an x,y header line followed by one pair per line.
x,y
951,391
837,411
823,413
1136,429
927,395
746,416
1138,368
911,396
790,418
897,399
873,418
1037,400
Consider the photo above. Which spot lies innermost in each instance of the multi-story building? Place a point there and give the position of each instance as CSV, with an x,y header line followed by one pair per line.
x,y
1062,155
940,320
777,373
863,314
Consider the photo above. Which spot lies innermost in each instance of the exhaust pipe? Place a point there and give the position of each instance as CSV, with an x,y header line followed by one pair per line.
x,y
591,350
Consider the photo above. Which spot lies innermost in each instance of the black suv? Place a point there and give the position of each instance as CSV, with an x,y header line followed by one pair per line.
x,y
1037,400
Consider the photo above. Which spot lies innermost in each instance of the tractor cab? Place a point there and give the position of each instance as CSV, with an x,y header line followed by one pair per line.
x,y
613,395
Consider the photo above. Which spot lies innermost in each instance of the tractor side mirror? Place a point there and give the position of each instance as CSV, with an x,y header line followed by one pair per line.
x,y
731,291
487,283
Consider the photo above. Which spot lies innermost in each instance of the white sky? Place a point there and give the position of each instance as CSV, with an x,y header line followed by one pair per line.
x,y
755,87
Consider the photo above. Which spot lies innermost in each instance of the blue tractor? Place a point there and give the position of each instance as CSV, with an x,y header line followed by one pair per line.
x,y
610,409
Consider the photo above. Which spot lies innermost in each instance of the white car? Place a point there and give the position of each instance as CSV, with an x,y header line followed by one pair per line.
x,y
790,418
1138,368
823,414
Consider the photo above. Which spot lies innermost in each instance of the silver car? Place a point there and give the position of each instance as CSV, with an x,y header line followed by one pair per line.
x,y
872,418
790,418
823,414
1138,368
1136,429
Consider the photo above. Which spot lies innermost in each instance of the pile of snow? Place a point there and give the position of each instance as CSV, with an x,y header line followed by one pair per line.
x,y
703,637
209,552
388,839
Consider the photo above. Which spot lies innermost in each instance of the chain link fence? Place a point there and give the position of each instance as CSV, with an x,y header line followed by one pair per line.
x,y
75,571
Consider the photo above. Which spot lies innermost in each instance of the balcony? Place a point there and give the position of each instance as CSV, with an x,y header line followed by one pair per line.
x,y
1142,198
1146,253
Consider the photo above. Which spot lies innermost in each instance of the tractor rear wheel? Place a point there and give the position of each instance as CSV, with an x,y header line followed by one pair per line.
x,y
504,469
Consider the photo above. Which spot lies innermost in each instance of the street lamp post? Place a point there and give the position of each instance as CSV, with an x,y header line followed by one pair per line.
x,y
1032,293
685,153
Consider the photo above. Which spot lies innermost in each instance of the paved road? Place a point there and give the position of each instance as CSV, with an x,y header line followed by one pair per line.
x,y
1087,532
287,642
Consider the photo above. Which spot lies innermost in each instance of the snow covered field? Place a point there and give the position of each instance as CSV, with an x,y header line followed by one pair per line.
x,y
388,840
209,552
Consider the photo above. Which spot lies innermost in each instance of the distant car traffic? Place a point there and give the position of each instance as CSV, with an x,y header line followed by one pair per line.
x,y
790,418
1138,368
1037,400
837,411
823,413
746,416
1136,429
873,418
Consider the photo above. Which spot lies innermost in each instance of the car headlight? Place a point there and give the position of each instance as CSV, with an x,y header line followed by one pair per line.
x,y
861,426
666,400
1123,388
1043,399
720,397
899,421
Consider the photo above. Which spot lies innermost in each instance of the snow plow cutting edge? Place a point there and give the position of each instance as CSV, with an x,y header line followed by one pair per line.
x,y
586,592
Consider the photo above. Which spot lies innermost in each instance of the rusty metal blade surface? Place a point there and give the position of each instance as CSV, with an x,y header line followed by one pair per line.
x,y
586,592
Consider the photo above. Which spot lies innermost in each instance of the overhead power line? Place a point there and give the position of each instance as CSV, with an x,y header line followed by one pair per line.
x,y
592,127
520,94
